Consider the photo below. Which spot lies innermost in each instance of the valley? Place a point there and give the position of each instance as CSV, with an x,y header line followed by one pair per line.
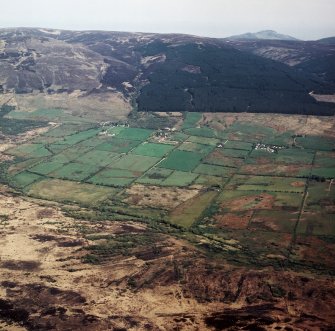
x,y
224,215
166,181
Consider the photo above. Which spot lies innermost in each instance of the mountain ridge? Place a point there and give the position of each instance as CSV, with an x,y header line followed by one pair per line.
x,y
264,34
160,72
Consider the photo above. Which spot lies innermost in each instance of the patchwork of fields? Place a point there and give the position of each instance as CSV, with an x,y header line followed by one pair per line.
x,y
245,187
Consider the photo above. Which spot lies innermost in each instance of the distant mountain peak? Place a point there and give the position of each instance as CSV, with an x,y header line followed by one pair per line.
x,y
265,34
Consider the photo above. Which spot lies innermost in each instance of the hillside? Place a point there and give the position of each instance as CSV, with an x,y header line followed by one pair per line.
x,y
161,72
314,58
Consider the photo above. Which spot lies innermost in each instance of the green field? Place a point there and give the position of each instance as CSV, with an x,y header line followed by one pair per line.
x,y
315,143
117,145
94,157
181,160
78,137
114,177
155,176
202,132
150,149
134,134
213,170
134,162
216,184
24,179
46,167
75,171
191,120
235,144
29,151
179,178
203,140
194,147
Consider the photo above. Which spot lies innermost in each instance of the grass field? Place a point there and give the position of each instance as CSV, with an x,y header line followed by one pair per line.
x,y
179,178
194,147
117,145
134,162
63,190
213,170
134,134
315,143
201,132
246,200
203,140
318,224
75,171
150,149
191,120
155,176
267,183
274,220
181,160
205,175
25,178
217,157
29,151
235,144
186,214
46,167
94,157
114,177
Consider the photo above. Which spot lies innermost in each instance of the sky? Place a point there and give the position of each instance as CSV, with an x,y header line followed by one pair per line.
x,y
303,19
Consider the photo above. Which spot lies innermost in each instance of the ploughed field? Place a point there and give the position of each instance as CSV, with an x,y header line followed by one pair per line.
x,y
251,191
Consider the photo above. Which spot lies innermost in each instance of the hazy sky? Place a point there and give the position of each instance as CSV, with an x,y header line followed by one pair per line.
x,y
305,19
